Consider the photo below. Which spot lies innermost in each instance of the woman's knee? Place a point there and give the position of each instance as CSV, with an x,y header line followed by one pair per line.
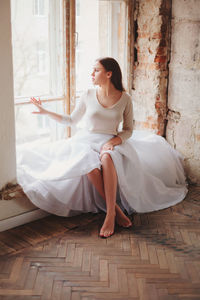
x,y
93,172
106,158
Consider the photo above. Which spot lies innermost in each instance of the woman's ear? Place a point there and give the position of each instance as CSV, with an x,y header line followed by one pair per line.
x,y
109,74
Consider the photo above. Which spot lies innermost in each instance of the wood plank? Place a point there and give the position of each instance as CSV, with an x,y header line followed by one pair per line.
x,y
60,258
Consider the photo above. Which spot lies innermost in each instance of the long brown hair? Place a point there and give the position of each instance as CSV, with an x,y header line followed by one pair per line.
x,y
110,64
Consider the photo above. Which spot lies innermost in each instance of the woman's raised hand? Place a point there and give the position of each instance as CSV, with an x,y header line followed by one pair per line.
x,y
38,104
43,111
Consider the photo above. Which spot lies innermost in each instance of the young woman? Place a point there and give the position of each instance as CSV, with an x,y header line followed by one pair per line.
x,y
102,167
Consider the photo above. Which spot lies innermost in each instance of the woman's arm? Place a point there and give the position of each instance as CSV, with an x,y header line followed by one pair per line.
x,y
127,128
43,111
69,120
126,132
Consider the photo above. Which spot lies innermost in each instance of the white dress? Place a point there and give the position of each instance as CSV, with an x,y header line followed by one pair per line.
x,y
150,172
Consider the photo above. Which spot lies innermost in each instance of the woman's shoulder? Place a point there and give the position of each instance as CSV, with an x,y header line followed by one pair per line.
x,y
86,95
89,93
127,97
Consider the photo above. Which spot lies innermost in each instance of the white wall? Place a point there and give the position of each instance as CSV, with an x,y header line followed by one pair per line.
x,y
7,129
183,129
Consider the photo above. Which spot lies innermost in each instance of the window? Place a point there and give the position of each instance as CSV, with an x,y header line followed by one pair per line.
x,y
53,55
106,33
39,66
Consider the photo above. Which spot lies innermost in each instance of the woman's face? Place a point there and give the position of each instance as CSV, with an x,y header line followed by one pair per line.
x,y
99,75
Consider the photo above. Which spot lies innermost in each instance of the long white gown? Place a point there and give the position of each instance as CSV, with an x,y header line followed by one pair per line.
x,y
150,173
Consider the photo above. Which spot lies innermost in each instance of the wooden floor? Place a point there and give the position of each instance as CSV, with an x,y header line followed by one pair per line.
x,y
63,258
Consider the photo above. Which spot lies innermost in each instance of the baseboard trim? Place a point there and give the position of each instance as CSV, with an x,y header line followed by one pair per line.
x,y
22,219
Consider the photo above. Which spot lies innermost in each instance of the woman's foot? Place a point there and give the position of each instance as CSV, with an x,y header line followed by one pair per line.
x,y
108,227
122,219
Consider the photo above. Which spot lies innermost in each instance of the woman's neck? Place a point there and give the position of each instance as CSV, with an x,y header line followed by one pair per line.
x,y
108,95
107,90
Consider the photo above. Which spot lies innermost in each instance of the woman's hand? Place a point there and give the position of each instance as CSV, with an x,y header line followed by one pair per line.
x,y
42,111
38,104
107,146
111,144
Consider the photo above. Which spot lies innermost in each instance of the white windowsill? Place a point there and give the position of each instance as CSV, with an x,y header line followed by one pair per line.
x,y
21,219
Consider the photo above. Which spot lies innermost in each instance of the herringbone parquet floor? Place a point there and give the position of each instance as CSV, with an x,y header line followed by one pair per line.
x,y
63,258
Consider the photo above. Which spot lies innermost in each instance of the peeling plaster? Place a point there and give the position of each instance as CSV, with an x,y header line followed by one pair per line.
x,y
183,127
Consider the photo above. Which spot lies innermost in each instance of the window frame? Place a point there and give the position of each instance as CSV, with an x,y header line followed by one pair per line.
x,y
130,8
68,47
22,100
69,30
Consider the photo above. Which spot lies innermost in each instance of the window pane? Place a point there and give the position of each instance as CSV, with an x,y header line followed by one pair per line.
x,y
38,62
113,31
31,127
104,34
87,45
37,37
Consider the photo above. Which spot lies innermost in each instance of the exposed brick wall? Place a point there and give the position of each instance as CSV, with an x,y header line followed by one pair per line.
x,y
152,44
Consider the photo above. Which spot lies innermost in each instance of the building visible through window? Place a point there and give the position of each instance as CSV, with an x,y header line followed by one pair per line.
x,y
38,65
38,8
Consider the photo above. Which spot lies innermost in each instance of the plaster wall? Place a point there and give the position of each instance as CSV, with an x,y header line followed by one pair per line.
x,y
183,128
14,207
7,129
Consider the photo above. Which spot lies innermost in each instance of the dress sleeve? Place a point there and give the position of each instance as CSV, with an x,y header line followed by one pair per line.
x,y
127,127
77,114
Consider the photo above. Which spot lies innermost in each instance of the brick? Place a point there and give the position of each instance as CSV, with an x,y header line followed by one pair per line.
x,y
150,118
153,46
148,66
163,43
160,59
157,35
161,50
198,137
143,35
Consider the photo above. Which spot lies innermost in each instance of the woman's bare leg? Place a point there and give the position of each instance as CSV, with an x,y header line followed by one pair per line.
x,y
108,183
95,176
110,188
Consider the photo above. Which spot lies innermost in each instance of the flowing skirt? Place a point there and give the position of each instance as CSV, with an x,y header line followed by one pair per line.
x,y
54,176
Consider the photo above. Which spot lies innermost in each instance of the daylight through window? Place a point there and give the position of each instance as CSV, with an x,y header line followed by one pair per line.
x,y
41,66
38,63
